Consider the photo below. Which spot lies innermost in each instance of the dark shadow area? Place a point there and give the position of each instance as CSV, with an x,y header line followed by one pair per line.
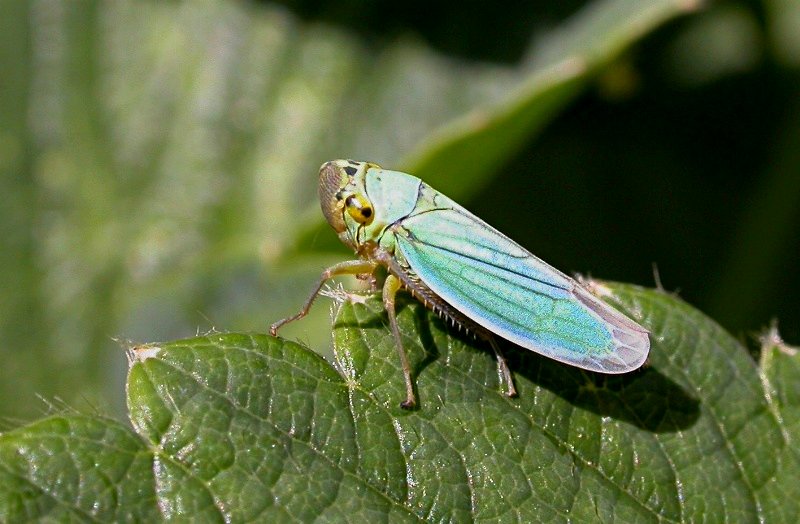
x,y
645,398
474,30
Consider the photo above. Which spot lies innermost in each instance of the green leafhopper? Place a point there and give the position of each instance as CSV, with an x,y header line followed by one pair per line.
x,y
468,272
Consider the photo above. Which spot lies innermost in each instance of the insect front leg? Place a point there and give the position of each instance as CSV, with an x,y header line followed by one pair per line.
x,y
390,288
350,267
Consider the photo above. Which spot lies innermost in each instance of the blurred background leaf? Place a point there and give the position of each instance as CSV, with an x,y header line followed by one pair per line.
x,y
158,160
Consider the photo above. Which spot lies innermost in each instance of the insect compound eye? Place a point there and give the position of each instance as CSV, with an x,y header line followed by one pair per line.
x,y
359,209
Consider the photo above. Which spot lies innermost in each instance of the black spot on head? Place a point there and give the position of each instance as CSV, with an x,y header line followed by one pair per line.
x,y
366,212
350,170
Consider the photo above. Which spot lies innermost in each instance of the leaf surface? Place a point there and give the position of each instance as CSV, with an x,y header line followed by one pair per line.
x,y
237,427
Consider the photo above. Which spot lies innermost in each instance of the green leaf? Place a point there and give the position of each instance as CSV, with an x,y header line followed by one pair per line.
x,y
75,467
239,427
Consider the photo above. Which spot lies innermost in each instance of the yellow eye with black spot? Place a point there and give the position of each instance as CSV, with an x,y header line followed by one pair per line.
x,y
359,209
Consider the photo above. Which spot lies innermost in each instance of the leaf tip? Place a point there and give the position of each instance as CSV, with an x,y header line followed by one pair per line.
x,y
771,338
142,352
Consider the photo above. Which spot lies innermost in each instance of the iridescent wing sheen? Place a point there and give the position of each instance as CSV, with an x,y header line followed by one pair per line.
x,y
499,285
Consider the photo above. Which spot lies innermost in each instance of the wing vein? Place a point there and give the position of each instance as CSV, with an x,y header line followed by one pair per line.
x,y
413,239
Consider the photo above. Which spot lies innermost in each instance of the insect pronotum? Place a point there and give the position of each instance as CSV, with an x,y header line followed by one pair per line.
x,y
468,272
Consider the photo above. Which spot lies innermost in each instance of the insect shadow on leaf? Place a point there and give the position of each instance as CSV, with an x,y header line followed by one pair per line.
x,y
646,398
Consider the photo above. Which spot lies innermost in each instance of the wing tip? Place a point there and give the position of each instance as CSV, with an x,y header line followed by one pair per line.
x,y
629,353
631,349
631,340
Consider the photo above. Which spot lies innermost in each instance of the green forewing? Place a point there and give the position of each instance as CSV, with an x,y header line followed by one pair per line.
x,y
499,285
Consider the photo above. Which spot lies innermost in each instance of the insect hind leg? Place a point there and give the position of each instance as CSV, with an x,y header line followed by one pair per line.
x,y
502,367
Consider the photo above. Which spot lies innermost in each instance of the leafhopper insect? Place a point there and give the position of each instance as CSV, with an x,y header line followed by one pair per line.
x,y
468,272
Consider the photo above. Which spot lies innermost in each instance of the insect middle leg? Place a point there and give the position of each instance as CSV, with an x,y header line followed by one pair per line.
x,y
350,267
390,288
